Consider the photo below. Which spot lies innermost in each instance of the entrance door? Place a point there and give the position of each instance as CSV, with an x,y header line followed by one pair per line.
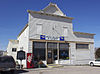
x,y
51,52
50,56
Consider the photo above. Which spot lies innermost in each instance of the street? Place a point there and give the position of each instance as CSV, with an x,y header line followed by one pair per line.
x,y
63,70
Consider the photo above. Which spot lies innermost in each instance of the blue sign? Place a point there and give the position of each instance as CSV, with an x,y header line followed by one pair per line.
x,y
61,38
42,37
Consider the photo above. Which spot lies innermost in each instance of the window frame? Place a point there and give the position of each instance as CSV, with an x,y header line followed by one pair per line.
x,y
82,47
39,31
14,49
38,50
65,33
66,51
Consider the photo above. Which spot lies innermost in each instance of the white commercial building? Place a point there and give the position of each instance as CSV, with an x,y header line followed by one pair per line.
x,y
49,37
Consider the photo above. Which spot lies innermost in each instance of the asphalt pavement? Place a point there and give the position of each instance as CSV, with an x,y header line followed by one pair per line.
x,y
63,70
60,70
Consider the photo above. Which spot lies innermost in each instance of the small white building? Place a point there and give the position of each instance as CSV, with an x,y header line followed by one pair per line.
x,y
49,37
3,53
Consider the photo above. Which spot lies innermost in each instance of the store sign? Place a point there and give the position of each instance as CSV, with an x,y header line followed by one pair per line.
x,y
61,38
21,55
44,37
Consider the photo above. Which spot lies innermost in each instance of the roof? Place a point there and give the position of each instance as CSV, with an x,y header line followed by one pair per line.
x,y
55,6
23,30
15,41
52,12
42,13
84,33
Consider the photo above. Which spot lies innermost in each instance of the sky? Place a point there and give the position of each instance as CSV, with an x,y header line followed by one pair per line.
x,y
14,16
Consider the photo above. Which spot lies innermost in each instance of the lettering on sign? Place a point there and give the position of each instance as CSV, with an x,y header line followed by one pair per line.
x,y
52,38
29,58
44,37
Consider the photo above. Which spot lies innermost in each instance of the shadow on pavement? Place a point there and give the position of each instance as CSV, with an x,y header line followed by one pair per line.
x,y
14,72
21,71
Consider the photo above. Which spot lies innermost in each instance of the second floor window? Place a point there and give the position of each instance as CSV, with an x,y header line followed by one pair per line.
x,y
65,31
39,28
14,49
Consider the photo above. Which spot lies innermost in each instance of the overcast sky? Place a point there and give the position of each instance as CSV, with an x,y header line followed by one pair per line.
x,y
14,16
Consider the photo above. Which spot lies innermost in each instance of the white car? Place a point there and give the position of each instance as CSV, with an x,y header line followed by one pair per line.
x,y
94,63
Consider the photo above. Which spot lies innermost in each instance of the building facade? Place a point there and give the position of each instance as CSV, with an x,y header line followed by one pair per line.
x,y
49,37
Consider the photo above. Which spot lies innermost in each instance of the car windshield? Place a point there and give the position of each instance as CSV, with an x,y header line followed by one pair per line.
x,y
97,60
6,59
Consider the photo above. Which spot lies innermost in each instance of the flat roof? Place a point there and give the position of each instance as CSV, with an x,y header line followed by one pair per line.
x,y
40,12
16,41
84,33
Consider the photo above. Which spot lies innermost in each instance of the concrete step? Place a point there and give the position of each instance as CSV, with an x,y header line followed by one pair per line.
x,y
54,65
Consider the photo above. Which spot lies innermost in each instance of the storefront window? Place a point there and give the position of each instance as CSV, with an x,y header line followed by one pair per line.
x,y
55,54
64,51
39,51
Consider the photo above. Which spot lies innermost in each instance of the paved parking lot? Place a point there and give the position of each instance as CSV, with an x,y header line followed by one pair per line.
x,y
64,70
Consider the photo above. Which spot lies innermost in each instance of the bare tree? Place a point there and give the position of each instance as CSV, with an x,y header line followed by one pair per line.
x,y
97,53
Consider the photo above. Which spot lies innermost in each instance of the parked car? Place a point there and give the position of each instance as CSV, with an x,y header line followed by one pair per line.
x,y
94,63
7,64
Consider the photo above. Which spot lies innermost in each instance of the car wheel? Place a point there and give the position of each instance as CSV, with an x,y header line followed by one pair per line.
x,y
91,64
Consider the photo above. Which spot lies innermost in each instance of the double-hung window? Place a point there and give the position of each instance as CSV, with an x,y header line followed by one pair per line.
x,y
65,31
39,28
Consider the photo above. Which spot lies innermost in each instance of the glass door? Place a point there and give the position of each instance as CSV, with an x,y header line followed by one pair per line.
x,y
52,53
50,56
